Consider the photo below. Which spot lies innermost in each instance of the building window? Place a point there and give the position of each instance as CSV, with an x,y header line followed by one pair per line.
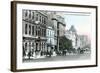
x,y
48,33
36,31
32,30
25,46
29,29
39,31
42,32
29,45
25,28
41,47
44,46
33,45
36,46
29,14
36,17
33,15
42,19
26,14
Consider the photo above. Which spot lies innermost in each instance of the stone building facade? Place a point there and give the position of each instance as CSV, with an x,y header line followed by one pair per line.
x,y
34,32
83,41
50,34
59,28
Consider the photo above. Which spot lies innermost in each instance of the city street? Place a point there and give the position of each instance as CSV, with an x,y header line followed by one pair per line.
x,y
60,58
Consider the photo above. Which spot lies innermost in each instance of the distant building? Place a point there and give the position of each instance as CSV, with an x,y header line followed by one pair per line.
x,y
72,35
83,41
78,41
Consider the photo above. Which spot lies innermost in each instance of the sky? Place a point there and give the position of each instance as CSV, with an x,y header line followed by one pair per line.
x,y
81,22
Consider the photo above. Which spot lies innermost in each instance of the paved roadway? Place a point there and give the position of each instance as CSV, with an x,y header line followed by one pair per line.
x,y
61,58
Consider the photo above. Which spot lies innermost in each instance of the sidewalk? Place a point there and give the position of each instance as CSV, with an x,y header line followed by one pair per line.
x,y
39,56
35,57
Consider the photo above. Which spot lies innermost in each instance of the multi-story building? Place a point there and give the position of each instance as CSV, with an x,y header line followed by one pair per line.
x,y
79,42
34,32
84,45
83,41
50,38
72,35
50,34
59,28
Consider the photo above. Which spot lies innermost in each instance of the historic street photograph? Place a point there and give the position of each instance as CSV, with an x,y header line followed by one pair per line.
x,y
55,35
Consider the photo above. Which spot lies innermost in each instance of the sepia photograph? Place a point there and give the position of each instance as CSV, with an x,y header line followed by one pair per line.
x,y
46,36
